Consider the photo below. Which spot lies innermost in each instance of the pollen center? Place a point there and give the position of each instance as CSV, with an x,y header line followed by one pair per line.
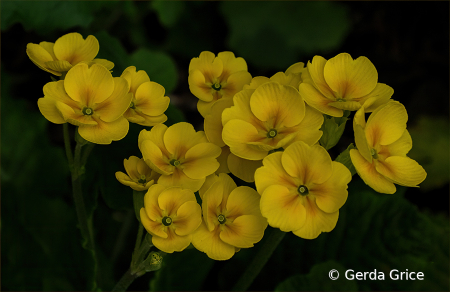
x,y
87,111
221,219
175,162
303,190
272,133
142,179
166,221
132,105
216,86
374,153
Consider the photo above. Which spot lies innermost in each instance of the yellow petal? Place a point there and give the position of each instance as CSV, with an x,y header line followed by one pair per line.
x,y
115,105
402,170
231,64
228,186
243,168
105,63
350,78
39,55
256,82
273,173
144,120
212,200
172,198
155,228
151,204
135,79
188,219
172,243
201,160
209,181
282,208
130,165
125,180
370,175
243,200
156,135
386,124
213,122
105,133
48,109
296,68
242,111
59,65
55,91
75,116
402,146
235,83
245,231
178,178
211,244
308,130
332,194
360,135
346,105
74,49
318,101
377,97
210,66
282,104
199,87
154,157
180,137
223,160
311,164
316,73
316,221
236,134
89,85
150,99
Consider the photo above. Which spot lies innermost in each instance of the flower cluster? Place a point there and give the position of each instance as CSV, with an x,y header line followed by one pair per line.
x,y
265,130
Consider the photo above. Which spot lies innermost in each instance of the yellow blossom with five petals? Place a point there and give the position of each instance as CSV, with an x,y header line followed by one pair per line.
x,y
212,78
231,219
302,190
342,83
383,143
148,103
139,176
183,156
90,98
69,50
170,215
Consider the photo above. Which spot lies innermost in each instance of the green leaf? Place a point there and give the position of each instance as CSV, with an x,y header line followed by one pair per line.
x,y
345,159
332,129
318,280
159,66
275,40
168,11
184,271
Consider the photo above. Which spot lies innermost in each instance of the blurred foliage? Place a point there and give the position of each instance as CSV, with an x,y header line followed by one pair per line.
x,y
272,35
40,240
433,156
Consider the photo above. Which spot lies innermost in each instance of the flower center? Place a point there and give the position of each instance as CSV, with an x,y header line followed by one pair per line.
x,y
166,221
303,190
175,162
221,219
272,133
142,179
341,100
87,111
374,153
216,86
132,105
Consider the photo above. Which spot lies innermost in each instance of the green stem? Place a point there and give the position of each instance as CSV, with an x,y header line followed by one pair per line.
x,y
139,237
86,153
125,281
259,260
67,144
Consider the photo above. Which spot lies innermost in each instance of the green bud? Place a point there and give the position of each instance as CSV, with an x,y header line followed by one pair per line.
x,y
345,159
332,129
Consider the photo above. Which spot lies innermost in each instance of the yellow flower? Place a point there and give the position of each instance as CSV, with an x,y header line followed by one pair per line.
x,y
268,119
139,176
69,50
183,156
211,78
302,190
170,215
241,168
148,104
383,143
342,83
292,77
91,99
231,219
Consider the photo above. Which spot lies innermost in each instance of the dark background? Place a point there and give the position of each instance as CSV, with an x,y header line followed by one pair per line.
x,y
408,42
